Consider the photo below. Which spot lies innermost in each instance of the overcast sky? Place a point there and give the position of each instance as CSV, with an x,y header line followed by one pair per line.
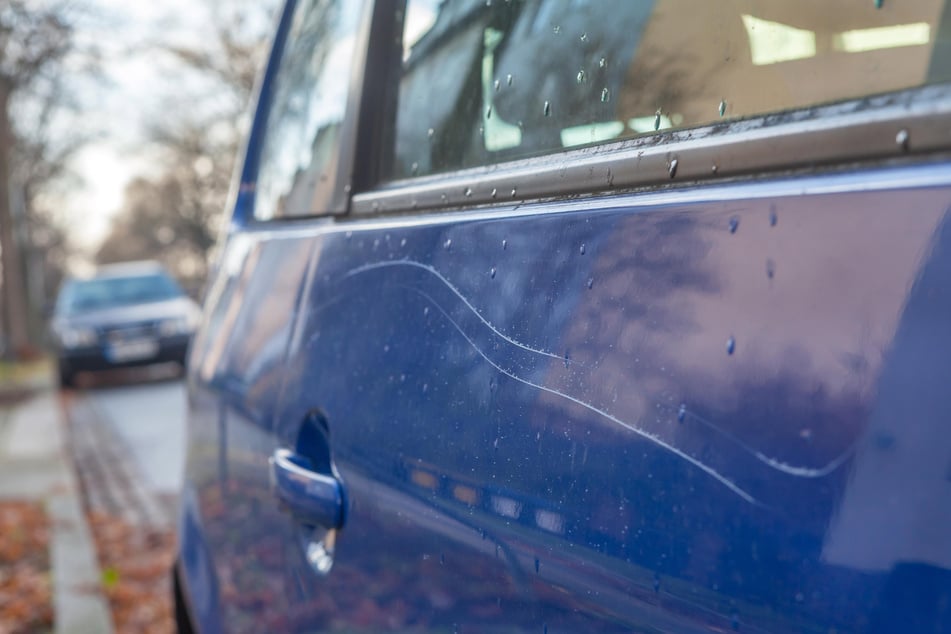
x,y
138,85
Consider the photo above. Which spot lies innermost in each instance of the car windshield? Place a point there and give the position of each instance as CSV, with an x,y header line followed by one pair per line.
x,y
96,294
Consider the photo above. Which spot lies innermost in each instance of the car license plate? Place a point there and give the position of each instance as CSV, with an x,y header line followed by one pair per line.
x,y
132,350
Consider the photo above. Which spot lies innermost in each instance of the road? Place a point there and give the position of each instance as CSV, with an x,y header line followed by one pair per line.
x,y
128,443
150,420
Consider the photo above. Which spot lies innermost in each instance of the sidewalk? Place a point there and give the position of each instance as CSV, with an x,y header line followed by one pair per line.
x,y
35,465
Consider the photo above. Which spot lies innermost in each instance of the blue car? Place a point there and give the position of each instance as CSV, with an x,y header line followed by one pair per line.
x,y
560,316
128,314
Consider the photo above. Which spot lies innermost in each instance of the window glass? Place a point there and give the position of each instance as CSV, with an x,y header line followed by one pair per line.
x,y
490,80
298,159
109,292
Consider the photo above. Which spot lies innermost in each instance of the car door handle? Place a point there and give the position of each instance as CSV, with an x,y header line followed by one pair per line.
x,y
311,497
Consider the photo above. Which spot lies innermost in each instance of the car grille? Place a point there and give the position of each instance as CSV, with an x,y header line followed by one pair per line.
x,y
128,332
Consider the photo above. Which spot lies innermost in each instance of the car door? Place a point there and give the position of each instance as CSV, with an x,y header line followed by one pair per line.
x,y
633,318
232,556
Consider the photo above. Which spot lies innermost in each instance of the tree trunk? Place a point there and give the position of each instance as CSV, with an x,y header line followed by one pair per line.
x,y
14,304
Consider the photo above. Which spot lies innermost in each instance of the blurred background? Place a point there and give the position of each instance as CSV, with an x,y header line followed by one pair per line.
x,y
119,127
120,124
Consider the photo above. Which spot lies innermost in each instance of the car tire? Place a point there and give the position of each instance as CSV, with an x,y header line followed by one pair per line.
x,y
183,621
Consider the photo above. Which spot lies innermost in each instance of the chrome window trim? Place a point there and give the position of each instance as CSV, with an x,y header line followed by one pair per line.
x,y
910,122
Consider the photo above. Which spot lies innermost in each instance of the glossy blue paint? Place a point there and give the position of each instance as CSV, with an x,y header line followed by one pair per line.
x,y
710,409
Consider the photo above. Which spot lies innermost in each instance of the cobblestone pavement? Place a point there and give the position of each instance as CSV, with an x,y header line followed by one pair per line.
x,y
111,481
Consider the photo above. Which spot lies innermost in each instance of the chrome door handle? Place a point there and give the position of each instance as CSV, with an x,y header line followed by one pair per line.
x,y
311,497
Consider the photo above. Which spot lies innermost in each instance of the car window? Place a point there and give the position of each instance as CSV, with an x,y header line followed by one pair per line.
x,y
99,293
487,81
298,160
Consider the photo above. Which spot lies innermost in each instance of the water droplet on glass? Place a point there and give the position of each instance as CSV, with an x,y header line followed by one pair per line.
x,y
605,95
590,283
468,192
415,169
537,564
430,133
492,272
495,192
505,244
672,168
656,583
682,413
731,345
714,169
508,79
657,120
547,109
498,85
349,235
488,112
556,29
584,37
770,269
734,224
425,310
580,76
602,63
514,192
581,249
878,4
902,139
722,107
403,242
447,244
567,360
773,217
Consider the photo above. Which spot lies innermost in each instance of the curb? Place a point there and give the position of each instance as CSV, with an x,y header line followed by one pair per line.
x,y
35,464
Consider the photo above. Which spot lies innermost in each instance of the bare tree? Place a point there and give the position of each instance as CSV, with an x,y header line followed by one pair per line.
x,y
174,217
34,38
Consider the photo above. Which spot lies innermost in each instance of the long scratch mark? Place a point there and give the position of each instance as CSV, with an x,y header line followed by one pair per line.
x,y
773,463
640,432
433,271
778,465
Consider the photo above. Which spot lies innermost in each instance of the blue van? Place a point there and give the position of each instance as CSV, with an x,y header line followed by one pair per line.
x,y
568,316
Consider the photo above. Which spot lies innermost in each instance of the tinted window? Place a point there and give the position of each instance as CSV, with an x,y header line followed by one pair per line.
x,y
485,81
298,159
96,294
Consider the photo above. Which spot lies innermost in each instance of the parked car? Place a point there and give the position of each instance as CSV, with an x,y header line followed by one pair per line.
x,y
124,315
552,316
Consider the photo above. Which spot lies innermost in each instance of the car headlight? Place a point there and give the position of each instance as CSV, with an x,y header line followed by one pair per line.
x,y
77,337
177,326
